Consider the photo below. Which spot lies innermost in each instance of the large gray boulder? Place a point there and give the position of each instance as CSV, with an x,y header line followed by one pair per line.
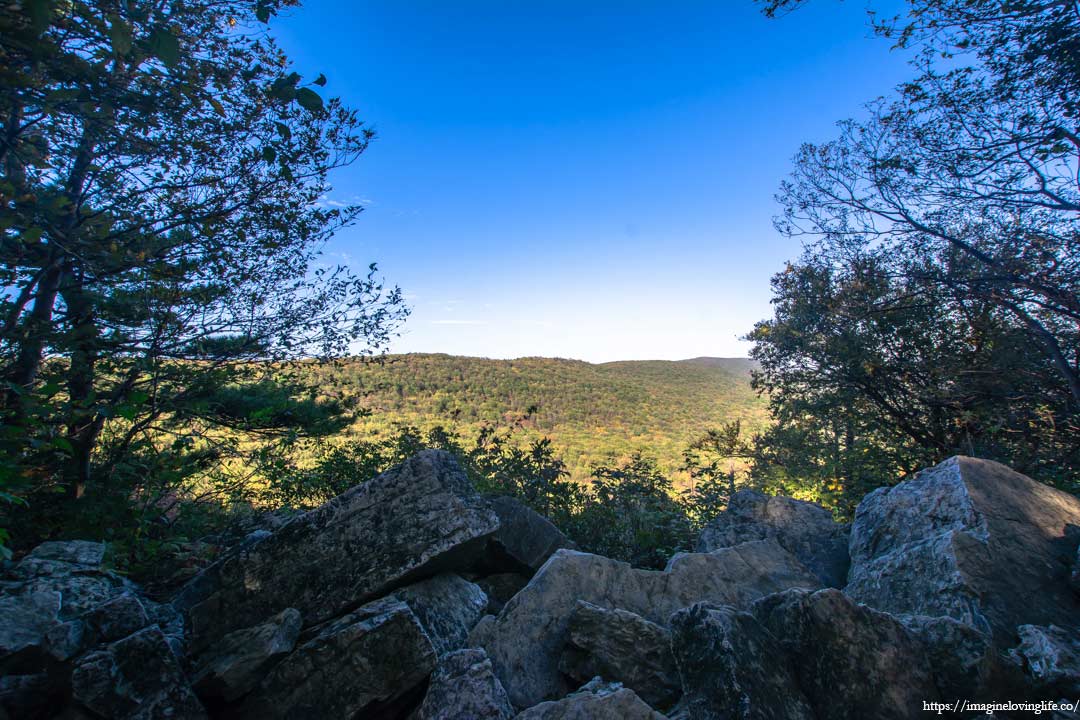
x,y
136,678
233,666
623,647
732,667
464,686
413,521
526,639
806,530
364,659
596,700
447,606
525,539
972,540
851,662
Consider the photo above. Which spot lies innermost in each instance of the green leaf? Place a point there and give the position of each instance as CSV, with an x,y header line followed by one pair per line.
x,y
218,107
284,88
283,130
269,154
262,11
119,35
321,80
309,99
165,46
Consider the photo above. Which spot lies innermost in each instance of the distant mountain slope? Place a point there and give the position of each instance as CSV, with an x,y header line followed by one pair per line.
x,y
591,412
742,366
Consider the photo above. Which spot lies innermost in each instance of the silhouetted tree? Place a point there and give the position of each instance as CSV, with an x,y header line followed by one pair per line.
x,y
161,219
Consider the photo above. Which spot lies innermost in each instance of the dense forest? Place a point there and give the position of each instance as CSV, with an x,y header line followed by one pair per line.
x,y
172,338
591,413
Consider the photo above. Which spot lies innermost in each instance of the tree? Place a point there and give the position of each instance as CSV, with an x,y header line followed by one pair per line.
x,y
937,306
713,461
161,215
872,375
973,165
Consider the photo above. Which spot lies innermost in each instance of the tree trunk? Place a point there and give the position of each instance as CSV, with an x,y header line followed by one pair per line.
x,y
83,424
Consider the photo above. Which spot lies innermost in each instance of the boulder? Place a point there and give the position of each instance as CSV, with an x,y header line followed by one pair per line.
x,y
352,665
136,678
621,646
233,666
447,606
464,686
969,539
525,640
83,554
412,521
804,529
500,587
960,658
732,667
1050,658
116,618
50,593
851,662
597,700
525,539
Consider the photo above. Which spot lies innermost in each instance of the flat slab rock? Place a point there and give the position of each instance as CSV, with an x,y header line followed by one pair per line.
x,y
352,665
804,529
526,639
969,539
413,520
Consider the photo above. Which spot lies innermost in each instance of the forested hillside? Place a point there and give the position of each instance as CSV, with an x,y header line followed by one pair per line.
x,y
591,413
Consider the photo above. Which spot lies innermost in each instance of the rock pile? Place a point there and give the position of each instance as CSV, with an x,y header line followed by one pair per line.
x,y
411,596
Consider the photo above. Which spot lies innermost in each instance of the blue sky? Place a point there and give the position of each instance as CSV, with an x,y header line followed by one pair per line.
x,y
592,180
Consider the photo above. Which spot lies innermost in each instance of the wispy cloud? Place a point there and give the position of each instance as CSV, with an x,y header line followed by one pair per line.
x,y
459,322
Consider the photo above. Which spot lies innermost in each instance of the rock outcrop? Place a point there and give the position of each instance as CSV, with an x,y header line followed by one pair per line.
x,y
962,584
138,678
850,661
622,647
76,637
972,540
464,686
414,520
364,659
525,641
731,666
806,530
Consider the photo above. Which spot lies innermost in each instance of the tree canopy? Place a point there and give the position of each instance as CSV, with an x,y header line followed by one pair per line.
x,y
162,208
937,306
